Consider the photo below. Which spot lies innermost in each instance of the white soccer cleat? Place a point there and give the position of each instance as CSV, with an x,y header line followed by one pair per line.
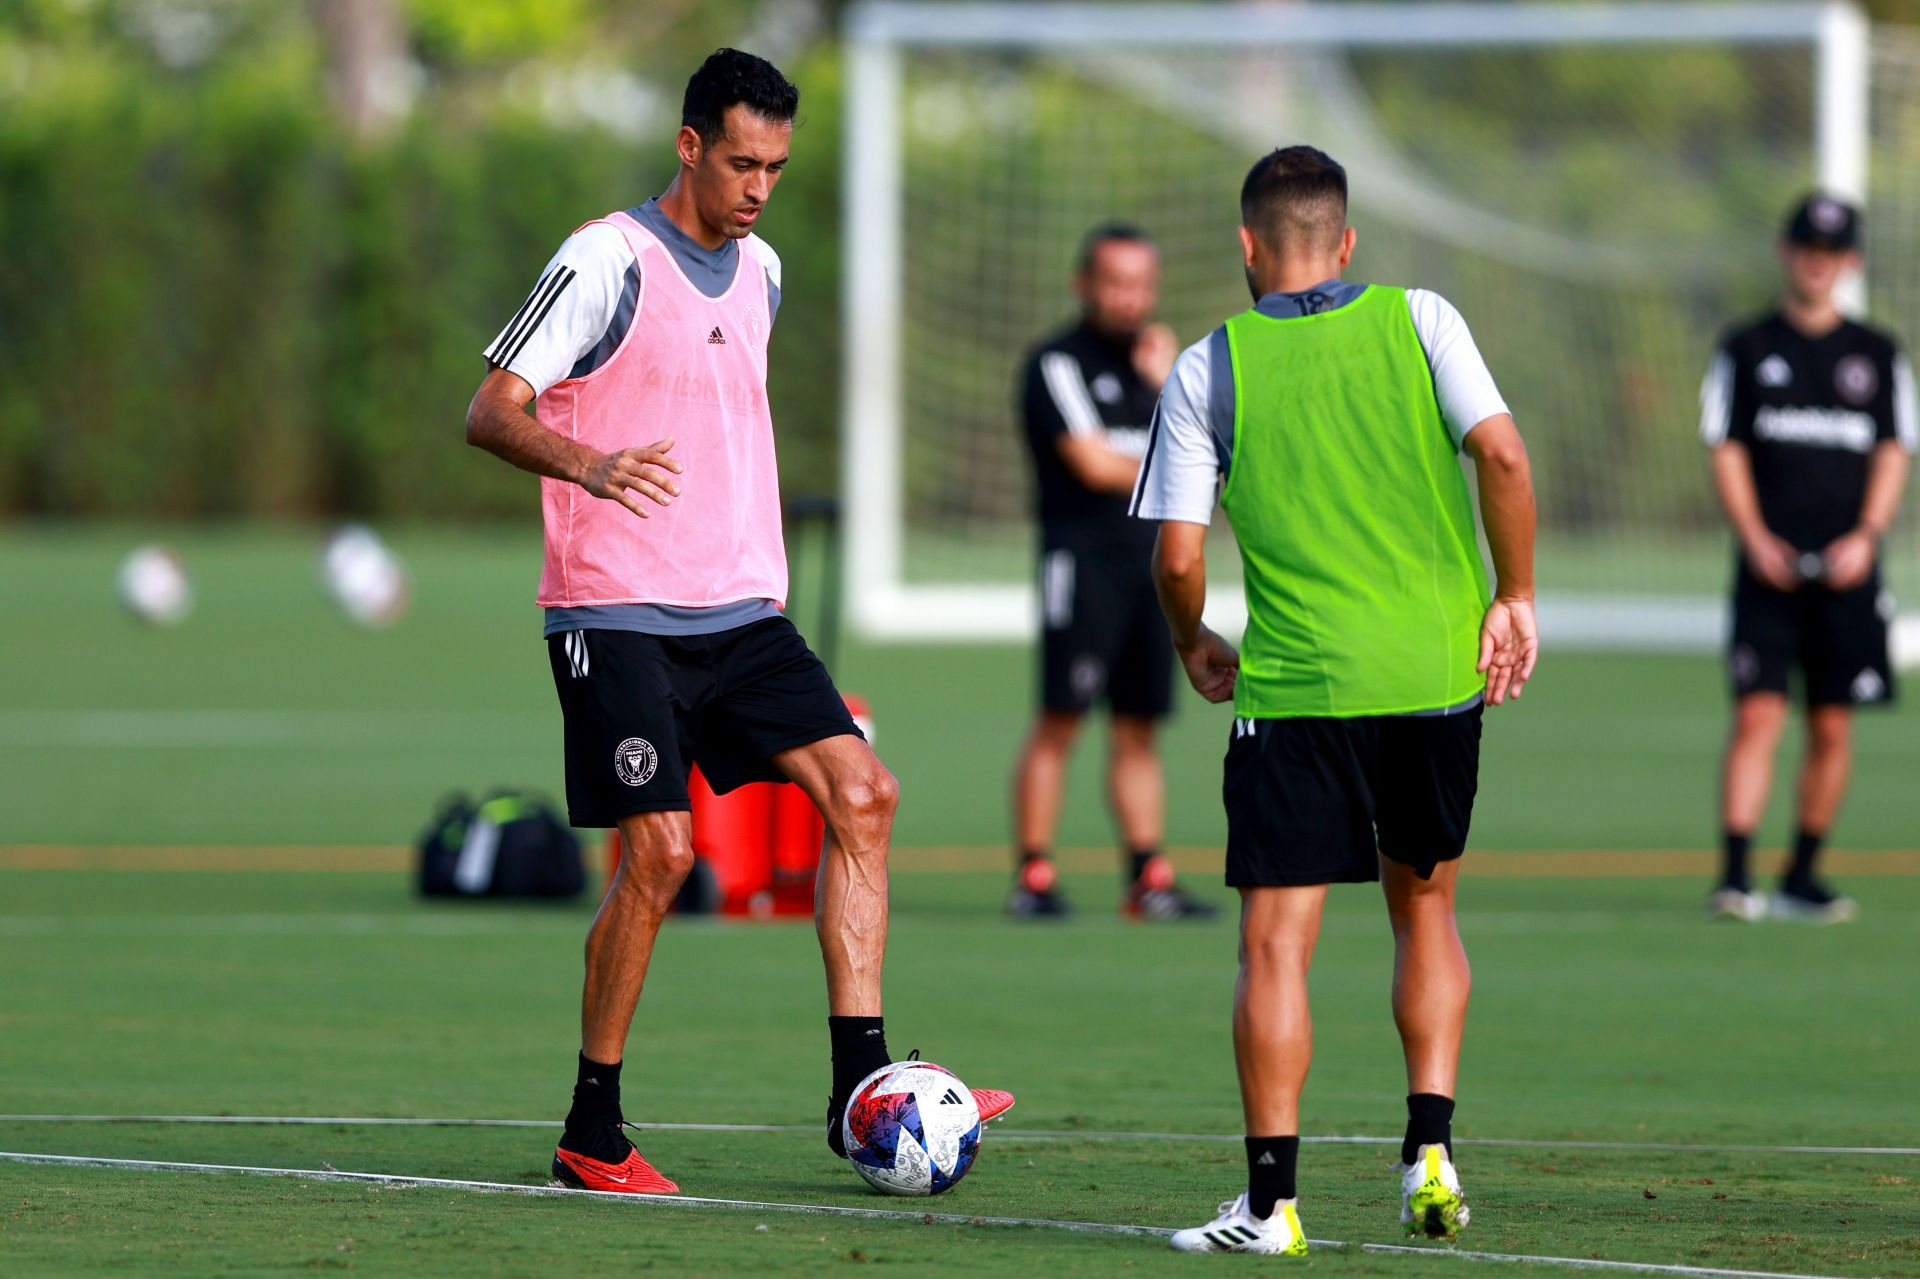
x,y
1430,1199
1737,904
1815,906
1238,1230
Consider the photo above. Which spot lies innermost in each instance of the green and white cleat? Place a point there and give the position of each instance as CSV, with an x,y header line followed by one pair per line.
x,y
1238,1230
1430,1199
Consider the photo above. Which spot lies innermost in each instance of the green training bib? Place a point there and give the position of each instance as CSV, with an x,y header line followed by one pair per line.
x,y
1365,588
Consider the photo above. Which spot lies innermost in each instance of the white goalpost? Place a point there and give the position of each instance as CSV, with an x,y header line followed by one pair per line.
x,y
1597,186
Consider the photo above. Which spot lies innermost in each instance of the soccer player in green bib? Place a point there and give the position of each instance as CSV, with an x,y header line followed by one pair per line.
x,y
1328,421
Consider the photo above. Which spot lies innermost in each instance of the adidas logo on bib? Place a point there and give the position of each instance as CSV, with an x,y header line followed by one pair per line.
x,y
716,338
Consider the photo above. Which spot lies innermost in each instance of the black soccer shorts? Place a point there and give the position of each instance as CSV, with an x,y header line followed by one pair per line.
x,y
1318,800
1837,639
1103,637
641,710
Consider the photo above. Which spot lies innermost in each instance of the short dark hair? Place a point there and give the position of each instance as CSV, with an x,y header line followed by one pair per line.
x,y
1109,233
731,78
1295,194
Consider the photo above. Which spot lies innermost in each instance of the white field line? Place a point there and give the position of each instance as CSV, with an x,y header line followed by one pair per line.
x,y
871,1214
1019,1134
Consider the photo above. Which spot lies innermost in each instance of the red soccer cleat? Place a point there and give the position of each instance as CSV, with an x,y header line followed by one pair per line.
x,y
631,1176
992,1102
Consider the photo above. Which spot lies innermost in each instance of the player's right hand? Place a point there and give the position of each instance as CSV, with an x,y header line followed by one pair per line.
x,y
1773,560
646,470
1212,666
1509,646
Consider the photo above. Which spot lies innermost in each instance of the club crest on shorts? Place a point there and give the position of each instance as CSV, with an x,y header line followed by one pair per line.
x,y
635,760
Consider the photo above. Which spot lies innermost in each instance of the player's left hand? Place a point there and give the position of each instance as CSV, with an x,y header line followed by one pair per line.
x,y
1849,559
1509,645
1154,352
1213,665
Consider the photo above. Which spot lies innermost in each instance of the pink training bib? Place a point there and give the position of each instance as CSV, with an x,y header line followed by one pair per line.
x,y
695,368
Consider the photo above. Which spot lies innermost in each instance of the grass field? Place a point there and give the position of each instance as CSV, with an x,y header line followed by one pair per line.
x,y
202,912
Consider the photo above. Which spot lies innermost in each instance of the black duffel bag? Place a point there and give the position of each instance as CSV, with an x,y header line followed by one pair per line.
x,y
512,844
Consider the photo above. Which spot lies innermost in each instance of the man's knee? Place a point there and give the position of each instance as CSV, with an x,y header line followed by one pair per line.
x,y
1057,730
870,797
658,854
1759,716
1829,731
1270,953
1411,899
1133,735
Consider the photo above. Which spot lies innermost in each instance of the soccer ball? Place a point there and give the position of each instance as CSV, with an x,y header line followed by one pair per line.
x,y
153,585
912,1128
365,578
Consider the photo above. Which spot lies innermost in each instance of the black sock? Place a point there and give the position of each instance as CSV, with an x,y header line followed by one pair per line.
x,y
1270,1168
1137,859
596,1095
1733,859
1806,851
859,1049
1429,1123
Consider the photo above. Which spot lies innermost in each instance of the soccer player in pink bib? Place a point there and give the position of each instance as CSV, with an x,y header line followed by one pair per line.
x,y
643,353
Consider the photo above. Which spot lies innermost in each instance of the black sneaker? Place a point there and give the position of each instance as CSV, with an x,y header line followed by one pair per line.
x,y
1155,897
1036,891
1808,901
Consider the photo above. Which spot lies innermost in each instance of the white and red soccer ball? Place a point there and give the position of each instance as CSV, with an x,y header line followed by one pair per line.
x,y
912,1128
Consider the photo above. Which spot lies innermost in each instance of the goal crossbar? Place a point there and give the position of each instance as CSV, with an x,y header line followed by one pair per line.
x,y
1036,26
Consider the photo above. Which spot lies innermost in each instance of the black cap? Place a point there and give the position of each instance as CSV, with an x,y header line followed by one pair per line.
x,y
1822,222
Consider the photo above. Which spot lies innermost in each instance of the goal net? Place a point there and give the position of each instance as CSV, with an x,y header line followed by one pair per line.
x,y
1598,189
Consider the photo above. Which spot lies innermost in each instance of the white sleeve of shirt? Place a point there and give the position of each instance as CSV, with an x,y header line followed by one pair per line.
x,y
1461,382
568,310
1906,427
1180,474
1716,400
1067,386
770,258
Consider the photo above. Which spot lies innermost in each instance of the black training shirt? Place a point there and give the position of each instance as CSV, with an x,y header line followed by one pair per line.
x,y
1080,382
1810,411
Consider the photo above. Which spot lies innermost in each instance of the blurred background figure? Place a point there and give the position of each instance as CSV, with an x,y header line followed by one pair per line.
x,y
1810,416
1086,396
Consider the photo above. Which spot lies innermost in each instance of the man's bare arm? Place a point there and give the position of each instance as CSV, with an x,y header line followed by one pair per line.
x,y
1097,466
1509,637
1180,580
1772,558
1849,559
1886,484
498,421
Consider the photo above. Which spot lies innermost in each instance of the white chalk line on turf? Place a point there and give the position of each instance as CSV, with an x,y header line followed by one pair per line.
x,y
1017,1134
870,1214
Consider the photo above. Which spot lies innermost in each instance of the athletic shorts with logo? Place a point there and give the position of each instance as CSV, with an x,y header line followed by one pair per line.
x,y
641,710
1837,639
1319,800
1102,635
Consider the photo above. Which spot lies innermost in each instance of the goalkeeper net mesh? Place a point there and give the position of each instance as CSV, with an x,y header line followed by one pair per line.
x,y
1598,214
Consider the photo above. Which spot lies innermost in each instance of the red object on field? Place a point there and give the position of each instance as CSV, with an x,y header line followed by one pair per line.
x,y
762,841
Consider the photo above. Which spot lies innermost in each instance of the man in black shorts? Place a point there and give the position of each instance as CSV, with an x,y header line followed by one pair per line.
x,y
665,572
1086,396
1811,420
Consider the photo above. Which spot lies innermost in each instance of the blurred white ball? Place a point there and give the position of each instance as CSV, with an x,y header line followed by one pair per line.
x,y
153,585
364,578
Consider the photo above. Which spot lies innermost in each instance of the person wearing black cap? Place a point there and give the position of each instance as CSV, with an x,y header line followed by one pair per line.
x,y
1811,419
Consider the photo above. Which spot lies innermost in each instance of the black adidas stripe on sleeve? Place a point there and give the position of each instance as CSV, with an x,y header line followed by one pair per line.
x,y
513,339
